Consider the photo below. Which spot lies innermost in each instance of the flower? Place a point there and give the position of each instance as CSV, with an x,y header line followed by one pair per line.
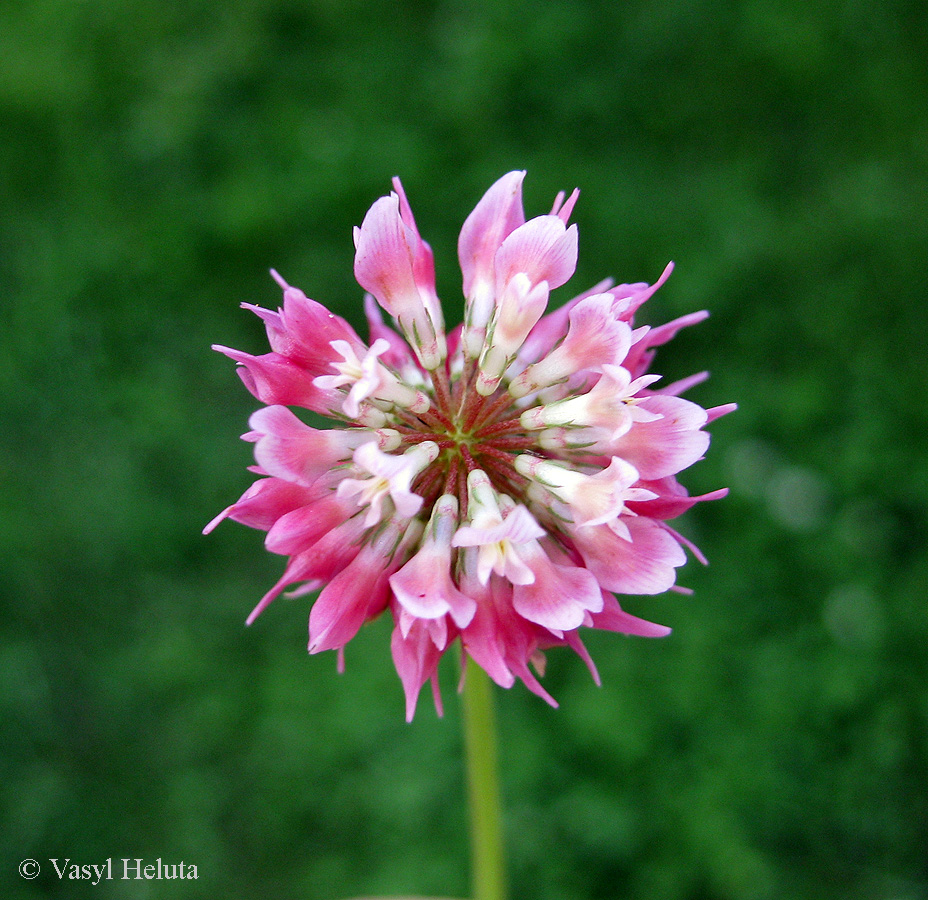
x,y
492,488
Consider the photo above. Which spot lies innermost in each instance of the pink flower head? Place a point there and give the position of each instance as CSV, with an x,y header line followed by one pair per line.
x,y
493,489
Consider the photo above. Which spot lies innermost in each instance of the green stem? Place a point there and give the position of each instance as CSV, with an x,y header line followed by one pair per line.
x,y
486,828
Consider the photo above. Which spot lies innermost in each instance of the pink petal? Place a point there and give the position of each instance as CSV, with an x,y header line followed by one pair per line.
x,y
594,336
296,531
551,328
716,412
572,639
274,380
425,589
395,265
423,260
614,618
416,659
684,384
277,335
383,260
563,210
289,449
686,542
559,596
594,339
500,641
483,645
669,444
672,499
343,606
542,248
262,504
357,593
494,218
646,565
638,294
321,561
664,333
310,329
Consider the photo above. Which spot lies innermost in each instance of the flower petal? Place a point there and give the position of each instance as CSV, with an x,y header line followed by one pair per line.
x,y
559,597
416,657
667,445
494,218
644,565
543,248
614,618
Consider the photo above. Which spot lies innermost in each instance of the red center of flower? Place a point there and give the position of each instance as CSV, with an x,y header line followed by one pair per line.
x,y
473,432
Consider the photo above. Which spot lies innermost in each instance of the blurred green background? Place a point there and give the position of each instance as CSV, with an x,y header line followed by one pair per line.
x,y
156,159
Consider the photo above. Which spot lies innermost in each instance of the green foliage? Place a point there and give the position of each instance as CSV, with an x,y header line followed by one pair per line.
x,y
157,159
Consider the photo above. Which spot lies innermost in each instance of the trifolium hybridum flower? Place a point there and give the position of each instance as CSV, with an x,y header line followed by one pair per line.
x,y
491,488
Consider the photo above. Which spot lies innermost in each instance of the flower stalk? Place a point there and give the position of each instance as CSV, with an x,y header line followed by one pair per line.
x,y
488,869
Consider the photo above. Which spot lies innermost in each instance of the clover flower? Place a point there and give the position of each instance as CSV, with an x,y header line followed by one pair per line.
x,y
493,487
